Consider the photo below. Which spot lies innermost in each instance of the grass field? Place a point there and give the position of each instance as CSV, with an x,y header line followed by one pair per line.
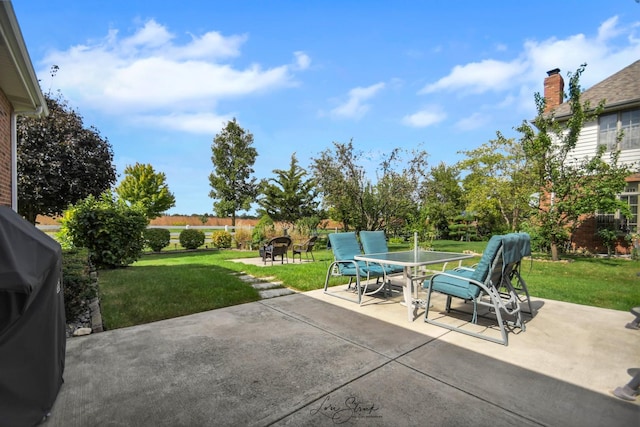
x,y
161,286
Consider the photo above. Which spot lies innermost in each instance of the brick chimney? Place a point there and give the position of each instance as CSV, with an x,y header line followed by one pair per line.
x,y
553,89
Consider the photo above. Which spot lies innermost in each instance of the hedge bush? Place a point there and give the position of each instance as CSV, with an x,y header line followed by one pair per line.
x,y
262,229
191,239
79,287
109,228
157,238
221,239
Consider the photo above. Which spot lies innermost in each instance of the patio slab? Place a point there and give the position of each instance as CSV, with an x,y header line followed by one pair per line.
x,y
309,359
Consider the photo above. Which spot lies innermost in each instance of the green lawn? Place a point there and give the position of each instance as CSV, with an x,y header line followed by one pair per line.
x,y
164,286
161,286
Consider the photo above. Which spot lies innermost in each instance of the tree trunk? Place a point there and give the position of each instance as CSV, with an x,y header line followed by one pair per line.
x,y
554,251
30,214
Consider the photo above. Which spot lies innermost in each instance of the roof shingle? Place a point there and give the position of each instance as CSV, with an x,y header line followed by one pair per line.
x,y
618,90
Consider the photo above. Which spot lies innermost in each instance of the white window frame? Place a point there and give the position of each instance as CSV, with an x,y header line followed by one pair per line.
x,y
622,224
627,121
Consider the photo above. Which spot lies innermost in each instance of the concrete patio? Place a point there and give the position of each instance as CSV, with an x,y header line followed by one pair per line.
x,y
313,359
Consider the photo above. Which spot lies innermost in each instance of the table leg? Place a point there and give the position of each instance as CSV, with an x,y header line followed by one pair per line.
x,y
407,291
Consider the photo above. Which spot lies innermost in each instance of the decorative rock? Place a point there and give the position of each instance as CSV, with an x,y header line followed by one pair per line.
x,y
81,331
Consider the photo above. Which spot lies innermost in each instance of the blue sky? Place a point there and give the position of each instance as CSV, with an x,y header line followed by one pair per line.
x,y
160,79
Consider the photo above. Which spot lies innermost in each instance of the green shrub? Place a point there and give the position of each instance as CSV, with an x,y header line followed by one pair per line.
x,y
396,240
191,239
221,239
262,229
109,228
541,238
157,238
242,236
308,225
79,287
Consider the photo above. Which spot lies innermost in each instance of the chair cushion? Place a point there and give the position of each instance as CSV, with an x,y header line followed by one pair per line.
x,y
489,254
515,247
374,242
393,269
344,245
455,286
348,269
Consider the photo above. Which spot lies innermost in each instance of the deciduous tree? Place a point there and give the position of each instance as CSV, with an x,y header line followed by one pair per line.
x,y
350,195
60,161
144,186
232,183
569,187
499,183
442,199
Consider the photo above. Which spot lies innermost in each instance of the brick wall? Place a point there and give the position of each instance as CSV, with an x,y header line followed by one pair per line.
x,y
5,150
586,237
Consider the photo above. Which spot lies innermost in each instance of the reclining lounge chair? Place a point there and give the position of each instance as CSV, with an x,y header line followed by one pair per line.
x,y
488,285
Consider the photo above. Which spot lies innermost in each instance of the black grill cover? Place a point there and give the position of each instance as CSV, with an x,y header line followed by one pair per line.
x,y
32,321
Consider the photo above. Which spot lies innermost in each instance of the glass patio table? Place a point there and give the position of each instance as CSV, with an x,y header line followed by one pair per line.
x,y
409,260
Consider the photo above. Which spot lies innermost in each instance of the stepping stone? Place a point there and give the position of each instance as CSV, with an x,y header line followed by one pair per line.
x,y
266,288
272,293
266,285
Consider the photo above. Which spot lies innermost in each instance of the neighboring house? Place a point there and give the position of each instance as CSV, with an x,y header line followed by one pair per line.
x,y
621,93
19,94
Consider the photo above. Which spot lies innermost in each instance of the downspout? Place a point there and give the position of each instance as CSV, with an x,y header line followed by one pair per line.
x,y
14,151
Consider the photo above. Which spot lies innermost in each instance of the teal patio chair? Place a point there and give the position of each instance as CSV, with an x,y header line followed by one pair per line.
x,y
487,285
516,247
375,242
345,247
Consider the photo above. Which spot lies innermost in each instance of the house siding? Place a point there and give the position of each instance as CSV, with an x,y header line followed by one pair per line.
x,y
587,144
5,150
630,157
586,235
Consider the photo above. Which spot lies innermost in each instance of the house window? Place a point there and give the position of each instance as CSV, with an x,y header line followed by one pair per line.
x,y
627,122
630,126
616,220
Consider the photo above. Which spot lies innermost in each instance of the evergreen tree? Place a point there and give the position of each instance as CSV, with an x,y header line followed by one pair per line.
x,y
289,196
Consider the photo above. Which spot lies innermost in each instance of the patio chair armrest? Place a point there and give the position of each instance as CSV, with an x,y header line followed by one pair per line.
x,y
455,276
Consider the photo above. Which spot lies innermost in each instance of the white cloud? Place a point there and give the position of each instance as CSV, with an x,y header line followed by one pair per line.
x,y
152,35
604,52
474,121
354,107
425,117
150,73
196,123
501,47
477,77
302,60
